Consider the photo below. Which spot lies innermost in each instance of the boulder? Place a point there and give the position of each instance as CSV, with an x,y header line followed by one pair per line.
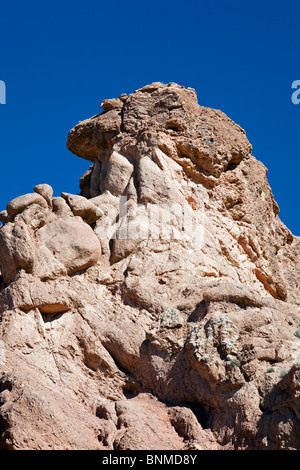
x,y
71,242
46,191
83,208
20,203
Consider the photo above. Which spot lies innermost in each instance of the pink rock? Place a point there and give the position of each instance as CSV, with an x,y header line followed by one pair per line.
x,y
159,308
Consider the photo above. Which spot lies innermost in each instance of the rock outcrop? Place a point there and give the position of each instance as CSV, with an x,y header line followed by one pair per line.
x,y
158,309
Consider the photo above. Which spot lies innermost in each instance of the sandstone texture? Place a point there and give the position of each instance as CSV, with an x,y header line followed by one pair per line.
x,y
160,307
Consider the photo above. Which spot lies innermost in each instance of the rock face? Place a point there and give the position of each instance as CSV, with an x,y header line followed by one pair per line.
x,y
158,309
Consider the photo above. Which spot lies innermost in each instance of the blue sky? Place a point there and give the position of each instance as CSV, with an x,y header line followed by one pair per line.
x,y
60,59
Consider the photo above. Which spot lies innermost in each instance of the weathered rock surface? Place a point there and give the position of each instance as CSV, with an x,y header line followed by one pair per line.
x,y
158,309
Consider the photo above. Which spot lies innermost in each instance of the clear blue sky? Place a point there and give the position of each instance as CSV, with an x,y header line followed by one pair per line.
x,y
60,59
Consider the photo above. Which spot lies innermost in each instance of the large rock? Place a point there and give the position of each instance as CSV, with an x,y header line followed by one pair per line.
x,y
158,309
20,203
202,140
16,250
46,191
83,207
115,174
71,242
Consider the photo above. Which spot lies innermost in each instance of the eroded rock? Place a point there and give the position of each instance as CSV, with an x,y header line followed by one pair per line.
x,y
20,203
158,309
83,207
46,191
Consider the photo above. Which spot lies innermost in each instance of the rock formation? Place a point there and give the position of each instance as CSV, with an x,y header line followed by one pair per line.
x,y
158,309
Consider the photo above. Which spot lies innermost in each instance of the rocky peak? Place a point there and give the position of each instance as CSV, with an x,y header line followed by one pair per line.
x,y
169,288
203,141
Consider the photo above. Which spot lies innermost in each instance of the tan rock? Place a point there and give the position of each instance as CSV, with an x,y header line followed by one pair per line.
x,y
71,242
102,129
46,191
20,203
4,217
16,250
61,208
83,208
114,103
115,174
186,287
141,423
28,293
